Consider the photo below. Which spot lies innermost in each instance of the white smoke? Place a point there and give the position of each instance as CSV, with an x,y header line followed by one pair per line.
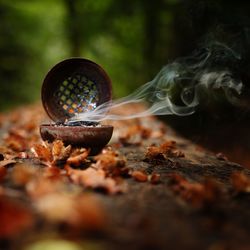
x,y
185,82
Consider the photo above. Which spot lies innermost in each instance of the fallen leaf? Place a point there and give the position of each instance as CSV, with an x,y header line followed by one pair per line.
x,y
110,161
22,174
96,179
81,211
42,152
16,140
3,172
14,217
134,135
139,176
44,185
60,152
240,182
6,162
155,178
167,149
197,194
153,153
77,160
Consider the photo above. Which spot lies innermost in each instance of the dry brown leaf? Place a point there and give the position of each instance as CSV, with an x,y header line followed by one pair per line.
x,y
52,172
78,159
134,135
8,153
167,146
52,154
6,162
157,134
110,161
23,155
16,139
79,211
96,179
3,172
240,182
16,145
22,174
145,133
42,152
139,176
57,147
155,178
44,185
154,152
14,218
167,149
198,194
60,152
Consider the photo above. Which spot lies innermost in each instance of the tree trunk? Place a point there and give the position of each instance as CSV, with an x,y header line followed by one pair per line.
x,y
73,27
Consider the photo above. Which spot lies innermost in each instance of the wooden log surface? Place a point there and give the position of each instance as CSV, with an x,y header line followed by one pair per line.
x,y
149,189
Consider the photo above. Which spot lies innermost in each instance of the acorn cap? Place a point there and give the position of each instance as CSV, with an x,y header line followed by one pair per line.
x,y
73,86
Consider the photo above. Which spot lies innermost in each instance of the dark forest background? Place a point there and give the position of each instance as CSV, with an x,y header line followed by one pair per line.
x,y
131,39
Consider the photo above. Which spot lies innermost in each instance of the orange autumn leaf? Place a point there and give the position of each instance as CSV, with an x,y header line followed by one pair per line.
x,y
42,152
79,211
195,193
96,179
3,172
139,176
166,149
14,218
240,182
110,161
6,162
78,158
59,151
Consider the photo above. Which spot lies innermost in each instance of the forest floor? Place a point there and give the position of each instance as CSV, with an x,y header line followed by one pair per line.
x,y
148,189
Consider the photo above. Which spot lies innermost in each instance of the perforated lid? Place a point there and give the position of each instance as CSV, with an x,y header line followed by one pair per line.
x,y
74,85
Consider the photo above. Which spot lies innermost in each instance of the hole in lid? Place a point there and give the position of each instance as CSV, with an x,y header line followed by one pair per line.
x,y
71,86
83,103
65,82
80,85
90,83
63,98
69,101
71,111
84,79
74,80
79,109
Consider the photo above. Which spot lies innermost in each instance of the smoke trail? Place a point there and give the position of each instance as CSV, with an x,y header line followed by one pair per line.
x,y
180,86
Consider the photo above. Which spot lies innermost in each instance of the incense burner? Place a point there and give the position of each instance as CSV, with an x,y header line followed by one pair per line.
x,y
71,87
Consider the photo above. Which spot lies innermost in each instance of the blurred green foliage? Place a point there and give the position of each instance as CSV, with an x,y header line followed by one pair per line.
x,y
131,39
